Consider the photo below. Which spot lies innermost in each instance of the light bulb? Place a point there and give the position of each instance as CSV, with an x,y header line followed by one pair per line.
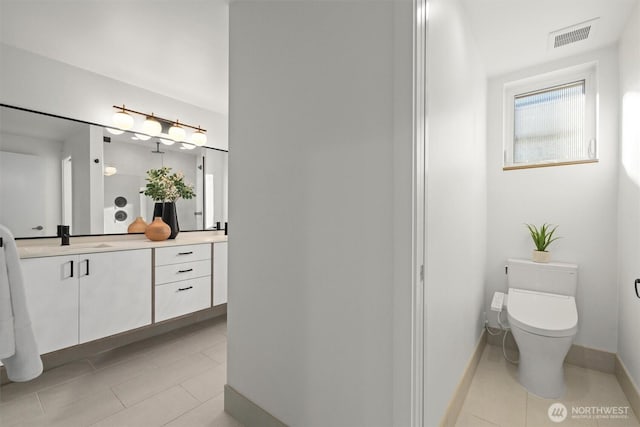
x,y
176,132
113,131
151,126
199,138
167,141
110,170
187,146
142,137
123,120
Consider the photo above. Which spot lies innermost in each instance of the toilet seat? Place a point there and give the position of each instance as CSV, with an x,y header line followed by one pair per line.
x,y
541,313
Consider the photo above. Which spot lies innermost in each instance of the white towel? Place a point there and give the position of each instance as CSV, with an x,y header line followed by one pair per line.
x,y
18,349
7,337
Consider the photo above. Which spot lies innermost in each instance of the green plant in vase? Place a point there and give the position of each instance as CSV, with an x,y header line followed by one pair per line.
x,y
542,237
165,188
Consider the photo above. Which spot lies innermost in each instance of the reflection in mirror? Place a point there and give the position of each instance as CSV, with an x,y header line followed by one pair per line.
x,y
80,174
127,160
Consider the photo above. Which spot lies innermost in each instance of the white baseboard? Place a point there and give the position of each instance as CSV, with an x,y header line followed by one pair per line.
x,y
629,387
246,412
460,394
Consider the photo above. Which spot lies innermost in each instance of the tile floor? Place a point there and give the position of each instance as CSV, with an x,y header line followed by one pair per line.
x,y
496,398
175,379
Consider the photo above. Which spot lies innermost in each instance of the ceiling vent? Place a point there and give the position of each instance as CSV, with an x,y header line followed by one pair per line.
x,y
572,34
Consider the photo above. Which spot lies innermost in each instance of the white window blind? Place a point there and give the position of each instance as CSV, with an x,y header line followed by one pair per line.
x,y
549,125
551,119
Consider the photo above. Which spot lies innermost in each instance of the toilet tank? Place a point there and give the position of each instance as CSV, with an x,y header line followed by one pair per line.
x,y
552,277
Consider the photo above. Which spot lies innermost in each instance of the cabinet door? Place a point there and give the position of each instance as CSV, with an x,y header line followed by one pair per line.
x,y
115,292
219,273
51,288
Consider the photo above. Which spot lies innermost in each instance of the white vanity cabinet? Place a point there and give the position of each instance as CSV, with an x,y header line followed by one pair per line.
x,y
115,293
182,280
79,298
219,273
51,288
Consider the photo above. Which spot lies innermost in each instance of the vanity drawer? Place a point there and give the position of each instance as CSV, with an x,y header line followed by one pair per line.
x,y
178,254
184,297
183,271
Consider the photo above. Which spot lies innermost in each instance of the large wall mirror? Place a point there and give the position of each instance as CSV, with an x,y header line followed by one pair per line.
x,y
55,170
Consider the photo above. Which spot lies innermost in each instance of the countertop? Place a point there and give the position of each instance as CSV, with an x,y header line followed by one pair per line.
x,y
36,248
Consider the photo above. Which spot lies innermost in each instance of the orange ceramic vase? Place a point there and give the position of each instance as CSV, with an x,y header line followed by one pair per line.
x,y
137,226
158,230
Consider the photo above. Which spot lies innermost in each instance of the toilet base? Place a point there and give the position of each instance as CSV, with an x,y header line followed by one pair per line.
x,y
546,382
540,369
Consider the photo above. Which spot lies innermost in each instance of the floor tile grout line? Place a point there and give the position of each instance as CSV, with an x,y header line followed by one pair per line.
x,y
40,403
189,393
170,385
92,365
211,358
486,420
117,412
192,409
51,385
526,409
119,400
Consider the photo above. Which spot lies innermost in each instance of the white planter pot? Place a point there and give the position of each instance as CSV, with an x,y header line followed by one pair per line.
x,y
541,256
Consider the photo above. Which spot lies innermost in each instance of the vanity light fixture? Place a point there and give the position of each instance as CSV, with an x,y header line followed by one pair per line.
x,y
151,126
110,170
199,138
177,132
154,125
167,141
187,146
122,119
142,136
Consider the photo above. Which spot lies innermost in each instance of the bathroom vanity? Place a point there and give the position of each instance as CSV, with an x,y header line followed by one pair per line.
x,y
98,288
108,288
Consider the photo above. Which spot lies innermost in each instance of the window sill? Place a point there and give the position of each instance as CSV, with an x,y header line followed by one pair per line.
x,y
546,165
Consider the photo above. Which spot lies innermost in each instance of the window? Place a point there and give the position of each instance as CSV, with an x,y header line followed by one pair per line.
x,y
550,120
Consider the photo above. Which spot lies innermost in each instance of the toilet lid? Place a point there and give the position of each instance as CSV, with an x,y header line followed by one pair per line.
x,y
541,313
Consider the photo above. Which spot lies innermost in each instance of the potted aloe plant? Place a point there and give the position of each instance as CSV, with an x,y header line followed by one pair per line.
x,y
542,238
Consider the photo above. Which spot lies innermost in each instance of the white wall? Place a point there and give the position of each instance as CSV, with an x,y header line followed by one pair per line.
x,y
39,83
581,199
456,203
314,282
629,196
84,146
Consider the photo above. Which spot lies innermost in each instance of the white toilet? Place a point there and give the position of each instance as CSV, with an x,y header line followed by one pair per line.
x,y
542,313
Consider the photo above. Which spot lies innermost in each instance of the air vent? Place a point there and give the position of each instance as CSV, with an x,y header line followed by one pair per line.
x,y
572,34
